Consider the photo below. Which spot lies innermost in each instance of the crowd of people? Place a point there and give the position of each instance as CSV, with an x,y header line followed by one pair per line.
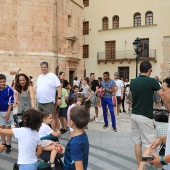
x,y
53,101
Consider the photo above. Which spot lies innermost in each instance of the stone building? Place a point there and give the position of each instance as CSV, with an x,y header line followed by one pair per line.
x,y
110,29
32,31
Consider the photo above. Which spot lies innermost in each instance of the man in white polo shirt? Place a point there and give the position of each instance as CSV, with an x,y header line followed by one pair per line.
x,y
119,93
46,87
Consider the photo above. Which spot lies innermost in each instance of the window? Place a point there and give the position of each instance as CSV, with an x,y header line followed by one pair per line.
x,y
149,18
137,19
123,73
85,51
115,21
86,3
110,49
86,28
145,47
105,23
69,20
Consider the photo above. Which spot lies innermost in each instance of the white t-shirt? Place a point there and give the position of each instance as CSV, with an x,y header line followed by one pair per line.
x,y
119,83
46,88
76,82
27,143
45,130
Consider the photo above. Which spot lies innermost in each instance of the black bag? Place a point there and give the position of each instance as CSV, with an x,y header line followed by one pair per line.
x,y
43,165
161,116
16,166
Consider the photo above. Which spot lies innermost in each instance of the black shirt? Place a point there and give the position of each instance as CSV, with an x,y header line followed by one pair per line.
x,y
94,84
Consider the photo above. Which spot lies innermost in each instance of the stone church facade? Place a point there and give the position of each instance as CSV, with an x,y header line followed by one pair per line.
x,y
32,31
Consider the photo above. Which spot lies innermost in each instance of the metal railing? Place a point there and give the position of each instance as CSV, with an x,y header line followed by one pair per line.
x,y
128,54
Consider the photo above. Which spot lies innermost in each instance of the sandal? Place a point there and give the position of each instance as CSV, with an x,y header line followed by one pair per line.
x,y
50,163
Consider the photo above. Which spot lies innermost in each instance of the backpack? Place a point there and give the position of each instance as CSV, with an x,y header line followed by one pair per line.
x,y
101,92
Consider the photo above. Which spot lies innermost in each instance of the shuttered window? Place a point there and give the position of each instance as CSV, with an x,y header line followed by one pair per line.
x,y
85,27
110,49
115,21
85,51
86,3
105,23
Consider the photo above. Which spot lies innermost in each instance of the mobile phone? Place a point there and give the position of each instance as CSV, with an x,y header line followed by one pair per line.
x,y
145,158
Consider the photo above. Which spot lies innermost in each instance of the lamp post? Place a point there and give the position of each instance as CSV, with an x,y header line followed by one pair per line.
x,y
138,49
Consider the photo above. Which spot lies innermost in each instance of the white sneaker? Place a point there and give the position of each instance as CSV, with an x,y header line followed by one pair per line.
x,y
97,120
102,121
110,123
117,117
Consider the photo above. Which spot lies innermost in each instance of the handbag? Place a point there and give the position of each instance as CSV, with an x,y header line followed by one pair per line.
x,y
101,92
43,165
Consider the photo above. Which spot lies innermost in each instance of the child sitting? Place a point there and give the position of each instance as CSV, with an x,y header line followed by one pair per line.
x,y
77,149
28,139
49,145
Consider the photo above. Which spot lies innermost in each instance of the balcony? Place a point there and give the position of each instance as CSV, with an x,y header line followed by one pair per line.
x,y
128,55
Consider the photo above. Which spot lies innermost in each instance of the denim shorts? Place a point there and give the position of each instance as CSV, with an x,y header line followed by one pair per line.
x,y
33,166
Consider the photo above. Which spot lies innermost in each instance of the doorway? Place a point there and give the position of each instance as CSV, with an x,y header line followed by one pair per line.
x,y
71,77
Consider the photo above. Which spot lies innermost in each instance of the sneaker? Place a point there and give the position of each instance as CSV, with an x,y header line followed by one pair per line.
x,y
110,123
117,117
102,121
114,129
124,111
97,120
64,131
105,126
8,149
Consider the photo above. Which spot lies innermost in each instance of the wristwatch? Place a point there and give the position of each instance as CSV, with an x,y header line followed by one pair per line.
x,y
163,161
59,98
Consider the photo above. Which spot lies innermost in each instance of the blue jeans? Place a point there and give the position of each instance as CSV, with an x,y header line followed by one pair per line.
x,y
33,166
105,102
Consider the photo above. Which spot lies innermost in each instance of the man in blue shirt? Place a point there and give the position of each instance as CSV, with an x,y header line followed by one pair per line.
x,y
109,85
6,110
77,149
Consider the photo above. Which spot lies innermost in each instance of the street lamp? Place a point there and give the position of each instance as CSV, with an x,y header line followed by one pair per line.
x,y
138,49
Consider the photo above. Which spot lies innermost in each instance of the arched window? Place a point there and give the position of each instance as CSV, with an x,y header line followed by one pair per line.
x,y
115,21
149,18
137,19
105,23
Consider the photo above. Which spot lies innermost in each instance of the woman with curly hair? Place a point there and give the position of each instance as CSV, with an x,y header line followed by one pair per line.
x,y
26,97
29,145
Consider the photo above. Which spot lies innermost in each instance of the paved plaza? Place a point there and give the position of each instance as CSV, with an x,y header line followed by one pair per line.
x,y
108,150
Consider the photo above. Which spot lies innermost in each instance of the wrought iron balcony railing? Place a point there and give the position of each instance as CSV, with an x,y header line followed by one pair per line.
x,y
125,55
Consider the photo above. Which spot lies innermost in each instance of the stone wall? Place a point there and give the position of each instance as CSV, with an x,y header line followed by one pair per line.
x,y
165,66
32,31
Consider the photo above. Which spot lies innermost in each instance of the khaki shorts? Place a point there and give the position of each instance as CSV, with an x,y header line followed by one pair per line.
x,y
2,120
48,107
143,130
